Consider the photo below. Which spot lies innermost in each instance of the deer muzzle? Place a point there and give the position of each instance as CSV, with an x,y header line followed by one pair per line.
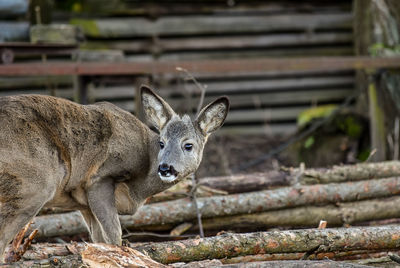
x,y
167,173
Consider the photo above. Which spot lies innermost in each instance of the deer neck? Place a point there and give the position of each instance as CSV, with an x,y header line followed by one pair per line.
x,y
152,184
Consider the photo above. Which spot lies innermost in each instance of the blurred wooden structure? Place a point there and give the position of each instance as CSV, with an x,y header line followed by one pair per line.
x,y
228,46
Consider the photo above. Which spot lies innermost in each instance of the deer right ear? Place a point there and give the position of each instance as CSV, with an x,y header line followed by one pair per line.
x,y
213,116
157,111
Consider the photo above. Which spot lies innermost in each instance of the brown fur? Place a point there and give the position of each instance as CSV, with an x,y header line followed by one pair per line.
x,y
97,158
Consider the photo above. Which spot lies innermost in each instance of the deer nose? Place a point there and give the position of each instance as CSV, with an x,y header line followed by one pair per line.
x,y
166,170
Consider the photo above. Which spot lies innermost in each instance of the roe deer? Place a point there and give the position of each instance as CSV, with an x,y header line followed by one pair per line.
x,y
98,158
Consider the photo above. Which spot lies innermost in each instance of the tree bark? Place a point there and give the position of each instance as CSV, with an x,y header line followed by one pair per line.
x,y
232,245
182,210
336,256
70,261
295,264
309,216
249,182
76,261
363,171
318,241
243,183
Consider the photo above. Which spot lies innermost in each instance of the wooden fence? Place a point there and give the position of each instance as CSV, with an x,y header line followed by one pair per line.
x,y
172,31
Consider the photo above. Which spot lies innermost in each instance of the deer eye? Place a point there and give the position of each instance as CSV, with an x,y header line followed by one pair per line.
x,y
188,147
161,144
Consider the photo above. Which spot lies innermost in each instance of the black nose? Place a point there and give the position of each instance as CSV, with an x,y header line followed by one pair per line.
x,y
166,170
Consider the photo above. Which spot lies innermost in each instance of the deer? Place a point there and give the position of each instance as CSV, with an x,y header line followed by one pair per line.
x,y
97,158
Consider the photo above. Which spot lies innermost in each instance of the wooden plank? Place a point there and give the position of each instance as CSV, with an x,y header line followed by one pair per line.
x,y
66,93
14,31
34,81
188,25
224,42
266,129
168,78
156,9
264,115
227,87
251,53
285,98
304,97
13,8
222,66
241,86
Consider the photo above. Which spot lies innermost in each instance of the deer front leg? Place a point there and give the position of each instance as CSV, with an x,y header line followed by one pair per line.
x,y
105,226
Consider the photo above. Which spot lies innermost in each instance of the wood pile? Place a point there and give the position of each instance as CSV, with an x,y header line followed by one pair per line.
x,y
260,218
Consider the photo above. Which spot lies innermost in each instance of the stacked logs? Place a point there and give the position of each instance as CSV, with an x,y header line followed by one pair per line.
x,y
341,195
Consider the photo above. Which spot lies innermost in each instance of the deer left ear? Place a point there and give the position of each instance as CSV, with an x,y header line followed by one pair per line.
x,y
212,116
157,111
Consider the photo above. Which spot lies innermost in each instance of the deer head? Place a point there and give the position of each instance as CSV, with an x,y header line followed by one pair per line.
x,y
181,140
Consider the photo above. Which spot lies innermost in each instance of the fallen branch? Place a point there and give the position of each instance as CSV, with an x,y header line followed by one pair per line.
x,y
341,242
182,210
232,245
363,171
336,256
178,211
298,264
76,261
308,216
243,183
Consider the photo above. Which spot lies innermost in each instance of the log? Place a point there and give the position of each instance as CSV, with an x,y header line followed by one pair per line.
x,y
178,211
296,264
134,27
42,251
76,261
182,210
363,171
248,182
225,184
70,261
232,245
337,256
308,216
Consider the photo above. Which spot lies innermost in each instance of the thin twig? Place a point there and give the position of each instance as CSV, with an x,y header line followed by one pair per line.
x,y
371,154
194,200
201,87
192,193
129,234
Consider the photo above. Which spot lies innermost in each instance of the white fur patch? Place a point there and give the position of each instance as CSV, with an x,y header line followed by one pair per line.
x,y
167,179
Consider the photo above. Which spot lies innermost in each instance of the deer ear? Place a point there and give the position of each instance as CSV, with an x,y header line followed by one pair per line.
x,y
157,111
213,116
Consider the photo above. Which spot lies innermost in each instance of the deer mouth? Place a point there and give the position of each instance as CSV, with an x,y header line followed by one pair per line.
x,y
167,174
